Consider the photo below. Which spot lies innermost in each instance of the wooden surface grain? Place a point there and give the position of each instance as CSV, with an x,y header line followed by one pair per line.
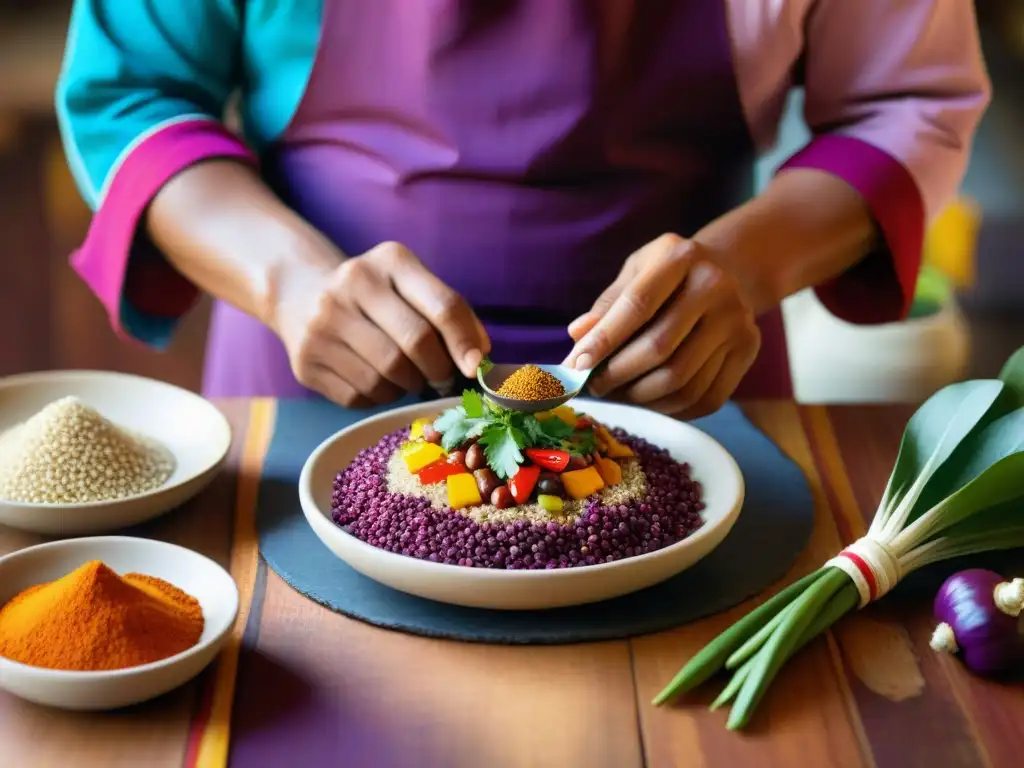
x,y
334,691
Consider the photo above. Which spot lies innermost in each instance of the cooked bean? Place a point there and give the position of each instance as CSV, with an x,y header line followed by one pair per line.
x,y
576,462
486,481
457,457
502,497
475,458
431,435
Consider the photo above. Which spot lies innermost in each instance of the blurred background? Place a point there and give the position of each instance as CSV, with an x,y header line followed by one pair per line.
x,y
50,321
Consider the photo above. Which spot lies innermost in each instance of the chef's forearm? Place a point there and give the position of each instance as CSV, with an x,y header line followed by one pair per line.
x,y
805,228
221,227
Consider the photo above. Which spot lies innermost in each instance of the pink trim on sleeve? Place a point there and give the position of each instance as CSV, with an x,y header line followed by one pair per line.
x,y
117,261
880,289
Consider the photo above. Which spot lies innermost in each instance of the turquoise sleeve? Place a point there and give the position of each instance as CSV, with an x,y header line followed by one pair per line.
x,y
134,67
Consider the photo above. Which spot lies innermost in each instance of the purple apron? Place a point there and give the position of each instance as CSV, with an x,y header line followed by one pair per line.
x,y
521,148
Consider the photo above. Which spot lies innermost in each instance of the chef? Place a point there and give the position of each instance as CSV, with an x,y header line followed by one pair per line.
x,y
417,183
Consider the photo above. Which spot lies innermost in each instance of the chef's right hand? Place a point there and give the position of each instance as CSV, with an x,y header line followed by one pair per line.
x,y
377,326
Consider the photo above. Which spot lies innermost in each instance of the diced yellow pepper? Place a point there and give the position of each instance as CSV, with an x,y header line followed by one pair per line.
x,y
416,431
581,483
408,446
550,503
544,415
422,454
610,472
566,414
462,491
612,447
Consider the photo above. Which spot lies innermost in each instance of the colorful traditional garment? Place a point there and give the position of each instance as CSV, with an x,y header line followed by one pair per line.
x,y
521,148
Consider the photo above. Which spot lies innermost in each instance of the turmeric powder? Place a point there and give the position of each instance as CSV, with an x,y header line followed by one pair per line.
x,y
92,619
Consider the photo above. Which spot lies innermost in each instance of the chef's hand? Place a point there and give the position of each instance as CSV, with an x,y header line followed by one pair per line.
x,y
376,326
675,331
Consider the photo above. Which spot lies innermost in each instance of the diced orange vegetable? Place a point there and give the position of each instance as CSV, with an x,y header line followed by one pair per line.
x,y
610,472
612,447
581,483
421,455
462,491
617,450
416,430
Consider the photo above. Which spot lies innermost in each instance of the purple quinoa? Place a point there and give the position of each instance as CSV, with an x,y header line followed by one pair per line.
x,y
363,506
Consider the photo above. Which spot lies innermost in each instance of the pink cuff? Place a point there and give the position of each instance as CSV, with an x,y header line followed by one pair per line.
x,y
143,294
881,287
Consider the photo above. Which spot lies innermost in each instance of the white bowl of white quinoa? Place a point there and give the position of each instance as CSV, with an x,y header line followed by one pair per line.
x,y
669,504
86,452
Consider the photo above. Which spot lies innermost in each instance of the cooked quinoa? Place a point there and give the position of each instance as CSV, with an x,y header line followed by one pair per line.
x,y
374,501
68,453
402,481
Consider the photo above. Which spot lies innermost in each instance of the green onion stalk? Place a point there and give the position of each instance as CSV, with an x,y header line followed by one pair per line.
x,y
957,488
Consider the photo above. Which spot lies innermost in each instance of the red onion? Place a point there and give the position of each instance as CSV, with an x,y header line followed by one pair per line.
x,y
978,612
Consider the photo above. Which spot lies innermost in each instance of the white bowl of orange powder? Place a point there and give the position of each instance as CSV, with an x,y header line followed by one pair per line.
x,y
105,622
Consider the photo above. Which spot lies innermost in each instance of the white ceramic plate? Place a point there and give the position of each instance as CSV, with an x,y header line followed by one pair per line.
x,y
521,590
202,578
190,427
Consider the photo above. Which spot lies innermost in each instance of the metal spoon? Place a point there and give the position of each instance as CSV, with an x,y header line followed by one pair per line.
x,y
492,376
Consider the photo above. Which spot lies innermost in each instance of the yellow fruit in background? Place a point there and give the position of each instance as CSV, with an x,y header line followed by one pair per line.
x,y
950,244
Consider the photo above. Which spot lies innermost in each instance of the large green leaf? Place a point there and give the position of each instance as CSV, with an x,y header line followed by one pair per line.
x,y
934,432
957,543
1001,483
979,451
1013,376
999,520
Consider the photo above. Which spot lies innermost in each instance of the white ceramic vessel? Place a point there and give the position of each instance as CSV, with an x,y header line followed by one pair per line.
x,y
190,427
833,361
712,465
202,578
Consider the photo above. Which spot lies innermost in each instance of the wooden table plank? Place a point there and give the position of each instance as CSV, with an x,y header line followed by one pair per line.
x,y
385,698
153,734
806,716
957,718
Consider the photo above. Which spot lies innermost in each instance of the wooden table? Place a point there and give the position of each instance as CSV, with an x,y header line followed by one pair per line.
x,y
303,686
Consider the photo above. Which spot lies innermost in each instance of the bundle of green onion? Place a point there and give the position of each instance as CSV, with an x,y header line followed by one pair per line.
x,y
957,489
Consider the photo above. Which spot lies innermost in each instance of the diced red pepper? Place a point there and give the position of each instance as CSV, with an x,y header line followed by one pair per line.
x,y
439,471
556,461
523,482
584,422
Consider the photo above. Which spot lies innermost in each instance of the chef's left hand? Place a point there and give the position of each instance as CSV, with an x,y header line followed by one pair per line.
x,y
675,329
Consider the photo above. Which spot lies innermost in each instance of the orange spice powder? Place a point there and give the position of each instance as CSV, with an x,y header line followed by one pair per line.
x,y
92,619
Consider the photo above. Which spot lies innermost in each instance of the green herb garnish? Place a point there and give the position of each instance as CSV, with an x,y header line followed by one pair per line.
x,y
463,422
505,434
502,446
472,404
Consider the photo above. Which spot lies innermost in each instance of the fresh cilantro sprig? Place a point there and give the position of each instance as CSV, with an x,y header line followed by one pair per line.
x,y
463,422
505,434
502,446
